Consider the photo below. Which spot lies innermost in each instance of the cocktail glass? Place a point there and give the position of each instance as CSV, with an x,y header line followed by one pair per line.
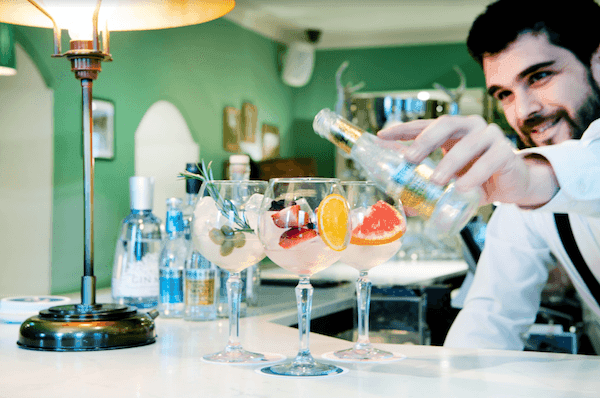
x,y
378,223
224,231
304,227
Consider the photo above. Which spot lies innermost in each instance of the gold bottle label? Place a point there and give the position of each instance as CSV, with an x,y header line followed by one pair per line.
x,y
418,192
199,290
344,134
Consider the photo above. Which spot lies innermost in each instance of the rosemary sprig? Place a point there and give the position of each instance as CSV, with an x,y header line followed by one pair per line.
x,y
225,206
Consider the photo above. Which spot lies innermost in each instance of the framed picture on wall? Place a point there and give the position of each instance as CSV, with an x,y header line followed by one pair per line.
x,y
270,142
249,122
231,129
103,129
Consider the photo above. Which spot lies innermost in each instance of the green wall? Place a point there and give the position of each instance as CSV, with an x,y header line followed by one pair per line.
x,y
200,69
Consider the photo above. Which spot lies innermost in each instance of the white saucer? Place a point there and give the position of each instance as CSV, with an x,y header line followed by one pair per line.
x,y
396,357
17,309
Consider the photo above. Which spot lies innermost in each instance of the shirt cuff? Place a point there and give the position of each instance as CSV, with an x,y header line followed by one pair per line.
x,y
577,168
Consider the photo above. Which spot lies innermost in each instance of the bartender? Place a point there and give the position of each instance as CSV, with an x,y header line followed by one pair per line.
x,y
542,64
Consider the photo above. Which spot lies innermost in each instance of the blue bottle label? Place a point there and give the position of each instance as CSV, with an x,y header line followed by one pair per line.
x,y
418,193
174,222
404,173
171,286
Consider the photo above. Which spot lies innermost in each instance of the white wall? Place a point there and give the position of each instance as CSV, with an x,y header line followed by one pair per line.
x,y
26,167
163,145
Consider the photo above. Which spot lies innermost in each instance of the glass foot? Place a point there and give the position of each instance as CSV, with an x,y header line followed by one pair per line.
x,y
302,370
242,357
368,354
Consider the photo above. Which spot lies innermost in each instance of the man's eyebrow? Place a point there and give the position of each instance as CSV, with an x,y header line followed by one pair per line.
x,y
534,68
523,74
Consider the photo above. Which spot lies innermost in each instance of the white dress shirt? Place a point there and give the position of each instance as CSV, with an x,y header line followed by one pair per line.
x,y
522,245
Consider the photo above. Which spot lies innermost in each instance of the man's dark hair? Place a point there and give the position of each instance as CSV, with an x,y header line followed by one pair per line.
x,y
572,24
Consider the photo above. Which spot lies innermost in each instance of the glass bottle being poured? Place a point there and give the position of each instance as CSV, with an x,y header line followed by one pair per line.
x,y
445,210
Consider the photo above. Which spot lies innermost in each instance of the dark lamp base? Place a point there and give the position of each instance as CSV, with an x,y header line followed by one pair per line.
x,y
87,328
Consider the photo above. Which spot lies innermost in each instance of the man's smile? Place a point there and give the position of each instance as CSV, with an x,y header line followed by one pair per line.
x,y
542,127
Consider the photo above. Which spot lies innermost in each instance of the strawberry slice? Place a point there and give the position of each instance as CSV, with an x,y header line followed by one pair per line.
x,y
291,217
294,236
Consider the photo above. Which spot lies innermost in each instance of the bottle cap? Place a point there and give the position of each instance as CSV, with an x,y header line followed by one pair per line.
x,y
239,159
192,185
323,121
141,192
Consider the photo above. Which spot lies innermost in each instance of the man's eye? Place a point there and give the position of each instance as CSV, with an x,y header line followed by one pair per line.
x,y
538,76
502,95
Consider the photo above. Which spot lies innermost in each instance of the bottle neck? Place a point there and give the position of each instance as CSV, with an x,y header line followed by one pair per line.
x,y
344,134
141,212
190,198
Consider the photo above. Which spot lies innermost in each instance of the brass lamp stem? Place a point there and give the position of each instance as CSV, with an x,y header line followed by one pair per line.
x,y
86,68
88,281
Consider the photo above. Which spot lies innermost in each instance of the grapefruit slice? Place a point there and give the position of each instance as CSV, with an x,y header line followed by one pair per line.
x,y
382,224
332,221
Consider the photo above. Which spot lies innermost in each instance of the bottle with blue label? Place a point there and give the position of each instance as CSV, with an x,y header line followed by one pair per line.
x,y
445,210
172,262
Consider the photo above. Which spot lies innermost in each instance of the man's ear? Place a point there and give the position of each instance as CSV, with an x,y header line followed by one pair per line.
x,y
595,65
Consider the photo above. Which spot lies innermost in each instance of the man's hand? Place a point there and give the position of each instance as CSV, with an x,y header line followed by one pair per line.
x,y
480,156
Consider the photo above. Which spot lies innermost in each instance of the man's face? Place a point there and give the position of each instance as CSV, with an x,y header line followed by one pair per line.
x,y
548,95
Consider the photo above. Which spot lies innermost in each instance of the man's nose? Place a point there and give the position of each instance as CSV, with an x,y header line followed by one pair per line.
x,y
527,105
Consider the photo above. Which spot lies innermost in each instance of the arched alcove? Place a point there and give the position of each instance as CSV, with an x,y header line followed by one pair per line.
x,y
26,167
163,145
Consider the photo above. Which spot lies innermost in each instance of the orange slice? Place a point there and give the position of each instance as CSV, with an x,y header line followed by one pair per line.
x,y
333,220
382,224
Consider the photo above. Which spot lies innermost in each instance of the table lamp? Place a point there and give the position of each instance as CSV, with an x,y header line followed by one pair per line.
x,y
90,325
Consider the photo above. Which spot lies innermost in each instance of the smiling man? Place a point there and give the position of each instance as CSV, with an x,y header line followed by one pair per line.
x,y
542,62
543,88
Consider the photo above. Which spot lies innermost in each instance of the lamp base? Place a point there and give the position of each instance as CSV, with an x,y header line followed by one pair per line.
x,y
81,327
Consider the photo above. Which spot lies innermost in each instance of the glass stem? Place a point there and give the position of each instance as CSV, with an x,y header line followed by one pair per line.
x,y
234,288
304,292
363,299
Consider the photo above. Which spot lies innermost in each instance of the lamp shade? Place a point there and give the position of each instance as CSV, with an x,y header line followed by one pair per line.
x,y
8,61
125,15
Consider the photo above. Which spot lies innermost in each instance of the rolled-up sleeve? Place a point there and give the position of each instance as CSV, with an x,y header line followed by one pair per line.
x,y
576,164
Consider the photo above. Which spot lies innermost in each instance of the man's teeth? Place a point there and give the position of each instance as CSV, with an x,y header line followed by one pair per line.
x,y
543,128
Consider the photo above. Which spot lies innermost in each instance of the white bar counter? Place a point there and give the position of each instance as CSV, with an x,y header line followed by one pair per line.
x,y
399,273
172,367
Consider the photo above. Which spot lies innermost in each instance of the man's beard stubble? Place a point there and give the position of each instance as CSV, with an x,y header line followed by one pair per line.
x,y
586,114
590,110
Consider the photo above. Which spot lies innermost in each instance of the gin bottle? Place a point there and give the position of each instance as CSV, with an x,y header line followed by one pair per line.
x,y
172,261
135,269
445,210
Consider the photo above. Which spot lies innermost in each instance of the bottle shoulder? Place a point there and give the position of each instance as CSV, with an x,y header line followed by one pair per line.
x,y
145,216
145,225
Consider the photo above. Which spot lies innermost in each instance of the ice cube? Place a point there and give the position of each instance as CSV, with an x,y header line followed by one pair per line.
x,y
357,216
305,209
252,209
205,214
